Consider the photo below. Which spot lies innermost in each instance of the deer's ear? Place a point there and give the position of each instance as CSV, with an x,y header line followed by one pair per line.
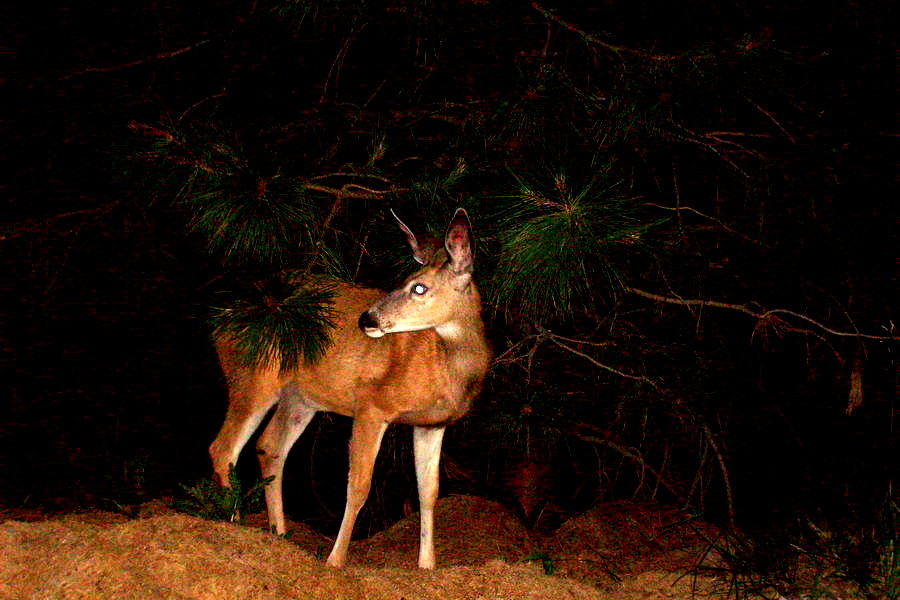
x,y
460,243
422,252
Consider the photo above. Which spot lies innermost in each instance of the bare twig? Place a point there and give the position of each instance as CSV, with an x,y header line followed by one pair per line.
x,y
585,342
10,231
721,134
592,39
221,94
337,65
561,342
597,363
595,435
507,356
677,191
323,231
721,224
698,475
134,63
769,316
362,252
350,174
712,145
729,498
349,190
773,119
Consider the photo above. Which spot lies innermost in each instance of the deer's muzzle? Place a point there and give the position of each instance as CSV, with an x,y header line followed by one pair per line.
x,y
369,325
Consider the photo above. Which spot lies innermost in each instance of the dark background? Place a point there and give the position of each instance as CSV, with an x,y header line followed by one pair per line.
x,y
111,392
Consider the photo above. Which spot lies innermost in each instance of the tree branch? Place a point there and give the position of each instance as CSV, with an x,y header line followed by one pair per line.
x,y
593,434
44,225
349,190
134,63
595,362
563,342
590,38
768,316
705,216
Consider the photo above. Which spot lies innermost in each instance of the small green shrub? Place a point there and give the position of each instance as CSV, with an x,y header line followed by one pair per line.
x,y
208,500
546,561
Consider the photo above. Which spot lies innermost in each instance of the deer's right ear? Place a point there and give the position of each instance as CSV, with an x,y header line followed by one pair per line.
x,y
423,252
460,243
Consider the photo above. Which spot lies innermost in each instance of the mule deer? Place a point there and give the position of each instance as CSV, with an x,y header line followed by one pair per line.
x,y
415,356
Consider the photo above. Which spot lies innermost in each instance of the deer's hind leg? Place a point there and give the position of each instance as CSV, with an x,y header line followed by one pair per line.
x,y
250,396
286,425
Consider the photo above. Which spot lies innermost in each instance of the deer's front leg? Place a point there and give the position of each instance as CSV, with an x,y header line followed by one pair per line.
x,y
427,449
368,429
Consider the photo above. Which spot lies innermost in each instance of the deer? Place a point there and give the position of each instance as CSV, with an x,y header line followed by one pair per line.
x,y
417,356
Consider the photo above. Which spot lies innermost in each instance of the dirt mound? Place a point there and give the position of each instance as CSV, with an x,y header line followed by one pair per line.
x,y
177,556
616,551
634,550
619,550
469,531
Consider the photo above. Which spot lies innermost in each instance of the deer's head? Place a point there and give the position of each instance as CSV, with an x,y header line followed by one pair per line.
x,y
430,297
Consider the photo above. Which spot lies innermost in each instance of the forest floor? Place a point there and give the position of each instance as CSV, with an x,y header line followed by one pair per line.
x,y
614,551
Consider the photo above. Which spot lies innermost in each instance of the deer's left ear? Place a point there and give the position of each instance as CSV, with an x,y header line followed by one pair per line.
x,y
460,243
422,251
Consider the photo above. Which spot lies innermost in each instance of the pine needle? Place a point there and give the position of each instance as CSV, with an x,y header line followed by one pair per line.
x,y
269,330
562,245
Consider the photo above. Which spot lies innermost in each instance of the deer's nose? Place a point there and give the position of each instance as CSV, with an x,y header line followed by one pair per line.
x,y
367,321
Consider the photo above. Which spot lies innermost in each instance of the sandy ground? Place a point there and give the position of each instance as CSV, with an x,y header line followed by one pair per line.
x,y
617,551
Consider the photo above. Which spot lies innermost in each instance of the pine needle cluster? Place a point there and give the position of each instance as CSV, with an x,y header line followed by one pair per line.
x,y
244,214
251,218
563,243
278,329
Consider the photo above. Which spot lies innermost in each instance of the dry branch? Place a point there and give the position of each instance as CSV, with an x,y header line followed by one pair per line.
x,y
767,316
592,39
594,435
48,224
348,190
565,343
134,63
721,224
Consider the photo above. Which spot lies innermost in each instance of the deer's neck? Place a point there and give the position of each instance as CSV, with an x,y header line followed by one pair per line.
x,y
466,346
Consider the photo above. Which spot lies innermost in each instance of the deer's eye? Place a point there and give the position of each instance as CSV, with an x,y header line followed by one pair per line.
x,y
419,289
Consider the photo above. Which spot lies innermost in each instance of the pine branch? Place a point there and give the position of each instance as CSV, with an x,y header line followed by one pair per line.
x,y
279,331
559,237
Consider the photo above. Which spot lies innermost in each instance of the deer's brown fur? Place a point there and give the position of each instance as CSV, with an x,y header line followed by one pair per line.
x,y
416,356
